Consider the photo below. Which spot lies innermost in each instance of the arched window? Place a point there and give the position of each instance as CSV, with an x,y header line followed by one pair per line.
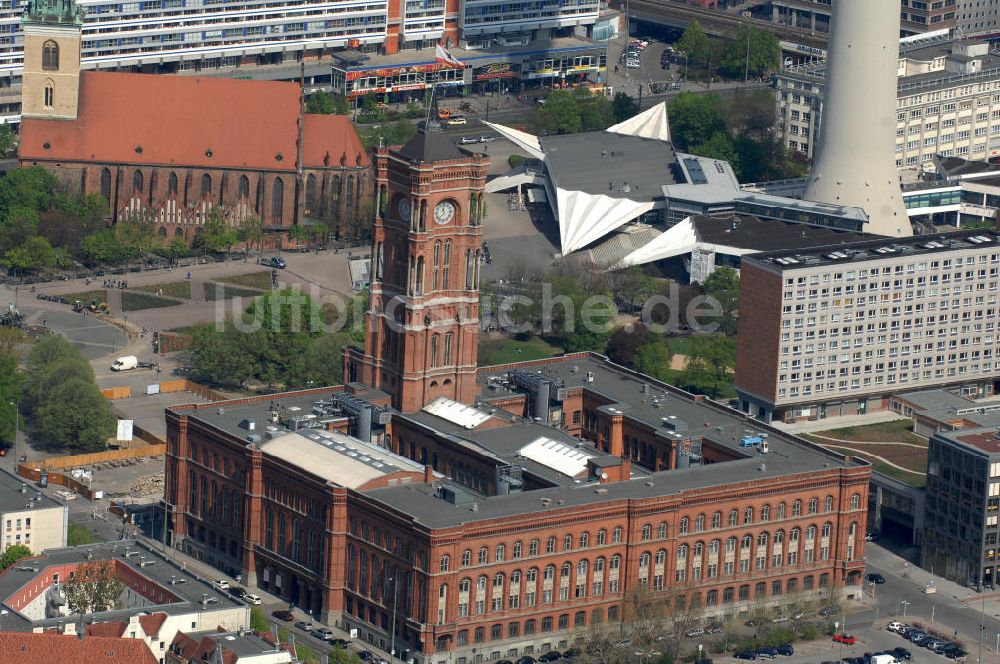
x,y
465,585
644,560
602,537
599,565
445,563
106,183
699,523
550,572
762,539
482,555
647,532
826,529
765,513
829,503
616,561
311,191
532,575
435,344
584,540
137,182
813,505
447,348
661,556
277,199
466,558
684,525
206,184
734,516
516,553
172,184
49,95
481,583
567,543
855,501
163,233
244,187
515,577
682,552
748,515
50,56
797,508
747,541
717,520
501,553
713,547
779,537
581,569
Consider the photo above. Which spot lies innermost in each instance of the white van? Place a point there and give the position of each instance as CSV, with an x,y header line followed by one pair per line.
x,y
125,363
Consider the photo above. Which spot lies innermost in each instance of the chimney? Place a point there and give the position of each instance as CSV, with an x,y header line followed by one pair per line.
x,y
616,441
428,474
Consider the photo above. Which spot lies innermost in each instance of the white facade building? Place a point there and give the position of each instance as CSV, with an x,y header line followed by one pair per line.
x,y
30,517
948,102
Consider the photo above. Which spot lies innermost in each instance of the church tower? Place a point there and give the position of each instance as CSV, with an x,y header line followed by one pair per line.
x,y
51,84
423,318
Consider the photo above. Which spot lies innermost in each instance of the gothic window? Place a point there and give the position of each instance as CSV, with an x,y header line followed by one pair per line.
x,y
48,96
50,56
106,183
469,269
437,263
277,199
137,182
311,192
206,185
172,184
447,348
244,187
350,192
419,285
435,343
445,264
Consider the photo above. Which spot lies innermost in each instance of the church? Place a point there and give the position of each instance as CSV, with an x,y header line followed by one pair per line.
x,y
167,149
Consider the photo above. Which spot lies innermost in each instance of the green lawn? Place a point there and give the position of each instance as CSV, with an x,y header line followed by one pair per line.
x,y
133,301
679,345
86,296
506,350
77,535
260,280
896,431
178,289
918,481
216,291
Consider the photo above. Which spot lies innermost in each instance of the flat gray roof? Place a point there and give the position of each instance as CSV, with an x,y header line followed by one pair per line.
x,y
188,587
602,163
848,253
789,456
16,494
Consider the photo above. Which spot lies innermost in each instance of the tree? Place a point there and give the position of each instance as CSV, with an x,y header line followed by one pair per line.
x,y
12,554
250,232
10,395
258,621
724,286
623,107
719,146
596,112
709,365
695,119
7,139
67,408
342,656
653,359
753,51
223,357
323,103
694,42
630,286
95,587
34,254
625,341
559,115
216,234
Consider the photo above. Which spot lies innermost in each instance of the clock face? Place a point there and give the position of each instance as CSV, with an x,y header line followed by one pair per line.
x,y
404,209
444,212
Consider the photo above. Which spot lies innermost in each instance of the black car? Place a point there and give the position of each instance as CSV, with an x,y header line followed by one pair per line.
x,y
957,653
366,656
767,651
527,659
703,661
236,591
551,656
274,261
339,643
917,637
745,654
786,649
876,578
902,653
829,611
572,653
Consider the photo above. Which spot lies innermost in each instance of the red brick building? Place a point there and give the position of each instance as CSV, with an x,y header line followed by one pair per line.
x,y
455,532
169,148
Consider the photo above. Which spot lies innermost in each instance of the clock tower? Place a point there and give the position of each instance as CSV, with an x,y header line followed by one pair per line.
x,y
423,318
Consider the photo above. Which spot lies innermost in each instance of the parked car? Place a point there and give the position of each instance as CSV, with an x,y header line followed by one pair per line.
x,y
221,584
236,591
713,627
274,261
527,659
322,633
572,653
697,631
468,140
339,643
786,649
457,120
895,626
957,653
745,654
919,639
846,639
940,647
801,614
902,653
250,598
304,625
285,615
767,651
487,139
632,64
551,656
876,578
779,619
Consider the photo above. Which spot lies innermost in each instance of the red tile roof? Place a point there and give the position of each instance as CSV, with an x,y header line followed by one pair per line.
x,y
108,629
28,648
151,624
163,120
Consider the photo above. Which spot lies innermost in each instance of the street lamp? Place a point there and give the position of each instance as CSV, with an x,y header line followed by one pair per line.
x,y
395,595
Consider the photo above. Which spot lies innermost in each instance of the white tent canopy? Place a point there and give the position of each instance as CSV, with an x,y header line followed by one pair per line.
x,y
584,218
651,123
678,239
522,139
